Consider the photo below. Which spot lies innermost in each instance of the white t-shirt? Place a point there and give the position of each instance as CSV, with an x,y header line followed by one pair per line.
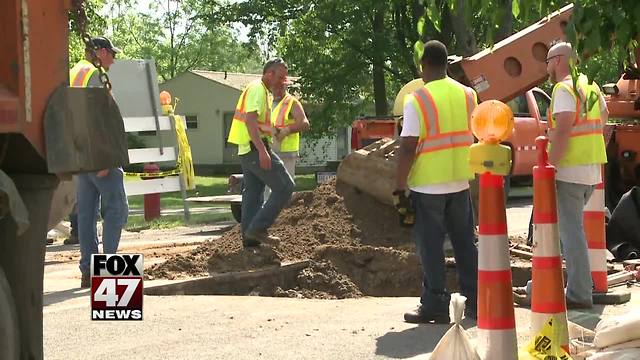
x,y
579,174
411,127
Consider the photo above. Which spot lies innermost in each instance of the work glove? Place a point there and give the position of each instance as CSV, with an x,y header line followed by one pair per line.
x,y
403,204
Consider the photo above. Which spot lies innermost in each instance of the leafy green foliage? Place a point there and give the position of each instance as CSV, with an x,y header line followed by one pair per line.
x,y
173,33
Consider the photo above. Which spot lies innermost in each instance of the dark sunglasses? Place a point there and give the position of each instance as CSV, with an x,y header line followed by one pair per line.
x,y
549,59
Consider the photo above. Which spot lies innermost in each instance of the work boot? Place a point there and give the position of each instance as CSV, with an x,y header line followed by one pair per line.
x,y
85,282
247,243
261,236
423,316
577,306
71,240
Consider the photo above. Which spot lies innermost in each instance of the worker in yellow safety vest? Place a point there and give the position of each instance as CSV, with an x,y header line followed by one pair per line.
x,y
289,119
252,131
577,115
432,178
104,188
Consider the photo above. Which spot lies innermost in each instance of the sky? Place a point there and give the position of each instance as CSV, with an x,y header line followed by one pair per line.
x,y
243,31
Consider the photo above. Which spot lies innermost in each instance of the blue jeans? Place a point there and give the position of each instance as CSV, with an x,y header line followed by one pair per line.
x,y
255,215
435,216
73,219
571,200
90,192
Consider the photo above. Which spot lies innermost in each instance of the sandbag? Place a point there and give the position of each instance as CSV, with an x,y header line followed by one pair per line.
x,y
626,354
455,344
618,329
623,229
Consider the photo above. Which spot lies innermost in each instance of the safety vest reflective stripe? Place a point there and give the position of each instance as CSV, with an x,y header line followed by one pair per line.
x,y
435,141
241,115
445,141
593,126
81,77
284,108
430,111
471,103
80,74
583,125
586,141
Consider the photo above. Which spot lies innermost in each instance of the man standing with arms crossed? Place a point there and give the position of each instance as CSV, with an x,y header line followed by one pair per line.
x,y
433,162
104,186
577,150
252,131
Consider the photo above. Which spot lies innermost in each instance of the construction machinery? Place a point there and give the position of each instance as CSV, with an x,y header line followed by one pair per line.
x,y
509,71
48,131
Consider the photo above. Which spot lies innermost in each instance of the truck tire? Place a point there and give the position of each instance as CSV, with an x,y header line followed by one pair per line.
x,y
236,211
9,345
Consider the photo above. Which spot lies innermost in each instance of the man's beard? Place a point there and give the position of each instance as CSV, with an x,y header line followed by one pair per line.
x,y
552,75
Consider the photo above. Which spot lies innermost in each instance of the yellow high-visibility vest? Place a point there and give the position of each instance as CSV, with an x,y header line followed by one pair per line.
x,y
80,73
239,133
282,118
586,142
444,108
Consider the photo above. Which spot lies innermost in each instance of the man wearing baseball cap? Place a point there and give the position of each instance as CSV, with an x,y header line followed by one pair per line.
x,y
104,188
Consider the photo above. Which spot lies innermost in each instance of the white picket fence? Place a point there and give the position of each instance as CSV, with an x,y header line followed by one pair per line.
x,y
146,155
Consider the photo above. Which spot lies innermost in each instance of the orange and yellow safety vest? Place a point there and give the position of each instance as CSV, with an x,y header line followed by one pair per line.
x,y
444,108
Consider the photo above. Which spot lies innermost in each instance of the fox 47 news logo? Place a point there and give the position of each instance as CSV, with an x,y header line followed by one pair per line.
x,y
116,287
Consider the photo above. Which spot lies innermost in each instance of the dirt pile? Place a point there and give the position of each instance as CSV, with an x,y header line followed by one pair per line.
x,y
357,245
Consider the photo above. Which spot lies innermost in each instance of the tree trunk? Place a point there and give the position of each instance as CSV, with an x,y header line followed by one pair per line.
x,y
466,41
506,25
379,86
406,51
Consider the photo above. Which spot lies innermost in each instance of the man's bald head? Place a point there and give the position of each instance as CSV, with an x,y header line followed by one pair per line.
x,y
558,59
562,49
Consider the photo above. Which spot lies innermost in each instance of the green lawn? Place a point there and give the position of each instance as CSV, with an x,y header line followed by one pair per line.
x,y
137,222
208,186
205,186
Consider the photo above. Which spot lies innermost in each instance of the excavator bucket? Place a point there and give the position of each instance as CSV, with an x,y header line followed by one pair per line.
x,y
371,170
84,131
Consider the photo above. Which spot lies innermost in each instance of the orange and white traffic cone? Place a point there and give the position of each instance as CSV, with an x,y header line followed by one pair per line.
x,y
594,231
496,318
547,292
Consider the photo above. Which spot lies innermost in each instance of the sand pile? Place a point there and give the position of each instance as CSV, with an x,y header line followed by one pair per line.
x,y
333,225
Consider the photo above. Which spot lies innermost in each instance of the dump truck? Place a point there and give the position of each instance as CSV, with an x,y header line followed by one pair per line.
x,y
510,72
48,132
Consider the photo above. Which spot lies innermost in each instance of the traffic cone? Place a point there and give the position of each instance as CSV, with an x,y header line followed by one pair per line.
x,y
547,292
594,231
496,318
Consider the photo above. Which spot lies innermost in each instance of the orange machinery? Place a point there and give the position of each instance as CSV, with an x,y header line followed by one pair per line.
x,y
623,146
33,64
45,128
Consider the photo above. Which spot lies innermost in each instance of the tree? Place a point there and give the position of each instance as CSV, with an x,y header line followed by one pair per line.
x,y
350,54
173,34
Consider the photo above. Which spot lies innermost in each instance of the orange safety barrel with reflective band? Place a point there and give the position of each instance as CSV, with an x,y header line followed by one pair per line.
x,y
80,73
445,137
547,289
586,142
496,316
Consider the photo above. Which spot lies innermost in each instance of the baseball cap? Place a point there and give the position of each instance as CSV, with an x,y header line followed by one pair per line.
x,y
102,42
